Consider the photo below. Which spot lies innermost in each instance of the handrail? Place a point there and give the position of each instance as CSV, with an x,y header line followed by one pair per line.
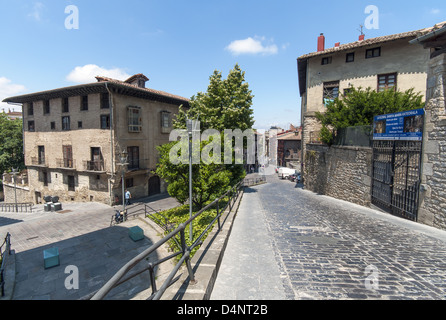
x,y
185,251
19,207
7,245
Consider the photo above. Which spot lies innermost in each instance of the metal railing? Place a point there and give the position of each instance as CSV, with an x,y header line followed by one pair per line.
x,y
185,252
19,207
3,259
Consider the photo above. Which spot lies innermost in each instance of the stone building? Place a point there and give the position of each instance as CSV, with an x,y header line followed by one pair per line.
x,y
379,63
432,209
289,148
74,137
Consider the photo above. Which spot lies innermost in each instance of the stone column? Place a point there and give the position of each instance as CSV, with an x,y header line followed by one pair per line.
x,y
432,210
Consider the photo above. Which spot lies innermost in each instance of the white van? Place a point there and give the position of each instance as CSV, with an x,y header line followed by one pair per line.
x,y
285,172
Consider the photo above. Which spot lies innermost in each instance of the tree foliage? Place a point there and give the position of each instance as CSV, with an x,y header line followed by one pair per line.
x,y
11,144
360,106
227,104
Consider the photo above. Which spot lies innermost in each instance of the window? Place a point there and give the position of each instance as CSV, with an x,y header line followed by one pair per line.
x,y
65,105
134,119
79,124
326,60
129,183
31,127
105,101
84,103
165,120
30,109
105,122
66,124
331,91
386,81
67,156
71,183
347,91
41,155
45,178
133,158
46,107
53,126
350,57
373,53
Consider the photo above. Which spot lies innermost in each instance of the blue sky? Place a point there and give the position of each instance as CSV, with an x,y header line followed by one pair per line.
x,y
178,44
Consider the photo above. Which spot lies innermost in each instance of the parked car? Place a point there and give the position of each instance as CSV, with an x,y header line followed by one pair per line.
x,y
285,172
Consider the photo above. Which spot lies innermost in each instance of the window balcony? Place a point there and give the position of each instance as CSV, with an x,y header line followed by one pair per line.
x,y
94,166
68,164
38,162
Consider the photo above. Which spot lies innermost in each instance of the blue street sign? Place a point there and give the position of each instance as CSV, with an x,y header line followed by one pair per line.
x,y
407,125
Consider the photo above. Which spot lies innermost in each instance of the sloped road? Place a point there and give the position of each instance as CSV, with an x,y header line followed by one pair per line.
x,y
328,249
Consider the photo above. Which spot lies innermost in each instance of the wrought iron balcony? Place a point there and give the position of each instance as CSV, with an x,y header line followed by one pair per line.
x,y
66,163
37,161
96,166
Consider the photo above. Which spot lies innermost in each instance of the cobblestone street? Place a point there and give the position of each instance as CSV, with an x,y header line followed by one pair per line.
x,y
330,249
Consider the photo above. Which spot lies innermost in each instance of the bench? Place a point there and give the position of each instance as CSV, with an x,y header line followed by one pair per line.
x,y
51,258
136,233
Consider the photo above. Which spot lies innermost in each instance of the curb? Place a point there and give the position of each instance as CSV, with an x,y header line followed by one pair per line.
x,y
206,262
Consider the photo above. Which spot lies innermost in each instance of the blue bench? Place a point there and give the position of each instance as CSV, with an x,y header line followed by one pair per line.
x,y
136,233
51,258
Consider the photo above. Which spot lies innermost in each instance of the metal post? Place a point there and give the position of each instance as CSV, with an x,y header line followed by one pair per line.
x,y
123,163
190,130
14,172
183,249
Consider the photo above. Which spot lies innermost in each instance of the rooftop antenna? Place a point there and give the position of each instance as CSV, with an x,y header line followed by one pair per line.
x,y
361,27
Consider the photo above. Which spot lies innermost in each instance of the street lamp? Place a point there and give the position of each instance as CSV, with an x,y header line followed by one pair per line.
x,y
189,131
15,172
123,162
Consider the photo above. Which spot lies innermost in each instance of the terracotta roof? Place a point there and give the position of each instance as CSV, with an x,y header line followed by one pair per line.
x,y
128,84
100,87
374,41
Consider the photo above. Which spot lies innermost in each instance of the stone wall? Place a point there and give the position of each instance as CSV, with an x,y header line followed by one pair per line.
x,y
339,171
432,209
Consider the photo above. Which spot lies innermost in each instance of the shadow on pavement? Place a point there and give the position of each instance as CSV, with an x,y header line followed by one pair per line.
x,y
97,256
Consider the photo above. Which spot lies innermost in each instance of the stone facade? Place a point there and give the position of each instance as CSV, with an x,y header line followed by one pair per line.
x,y
74,137
432,209
339,171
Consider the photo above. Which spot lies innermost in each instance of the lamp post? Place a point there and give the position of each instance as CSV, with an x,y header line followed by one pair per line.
x,y
189,131
123,163
15,172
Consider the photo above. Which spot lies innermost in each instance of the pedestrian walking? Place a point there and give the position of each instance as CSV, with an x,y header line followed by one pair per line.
x,y
128,196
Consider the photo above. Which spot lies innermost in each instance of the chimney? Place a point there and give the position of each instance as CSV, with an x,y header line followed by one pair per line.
x,y
362,37
321,43
337,44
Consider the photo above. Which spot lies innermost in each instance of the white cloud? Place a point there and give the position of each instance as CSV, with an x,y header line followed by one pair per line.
x,y
87,73
435,11
9,89
251,46
36,13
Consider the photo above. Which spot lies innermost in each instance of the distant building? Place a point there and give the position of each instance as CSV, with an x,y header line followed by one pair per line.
x,y
289,147
13,114
380,63
74,137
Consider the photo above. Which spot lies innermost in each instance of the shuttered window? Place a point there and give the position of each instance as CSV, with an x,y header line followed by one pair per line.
x,y
386,81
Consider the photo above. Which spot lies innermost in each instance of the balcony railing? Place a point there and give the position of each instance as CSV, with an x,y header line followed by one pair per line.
x,y
36,161
97,166
66,163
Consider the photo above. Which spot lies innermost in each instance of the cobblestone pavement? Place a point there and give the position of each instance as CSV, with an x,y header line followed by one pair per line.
x,y
330,249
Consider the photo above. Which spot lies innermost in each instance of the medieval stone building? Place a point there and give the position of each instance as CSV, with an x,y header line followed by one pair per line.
x,y
75,136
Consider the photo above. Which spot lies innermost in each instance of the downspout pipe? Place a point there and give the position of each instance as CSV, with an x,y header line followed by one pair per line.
x,y
112,151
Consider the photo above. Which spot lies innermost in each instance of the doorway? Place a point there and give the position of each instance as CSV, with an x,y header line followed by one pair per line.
x,y
154,186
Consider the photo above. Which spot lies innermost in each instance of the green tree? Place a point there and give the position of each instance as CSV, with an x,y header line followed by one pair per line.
x,y
359,107
11,144
227,104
